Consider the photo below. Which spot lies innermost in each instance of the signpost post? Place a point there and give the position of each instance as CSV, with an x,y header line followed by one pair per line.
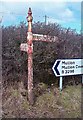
x,y
66,67
82,79
28,47
61,81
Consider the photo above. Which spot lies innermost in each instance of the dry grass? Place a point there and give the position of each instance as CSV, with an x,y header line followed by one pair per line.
x,y
51,103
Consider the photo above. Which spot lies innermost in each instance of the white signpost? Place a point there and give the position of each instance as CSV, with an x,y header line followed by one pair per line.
x,y
24,47
66,67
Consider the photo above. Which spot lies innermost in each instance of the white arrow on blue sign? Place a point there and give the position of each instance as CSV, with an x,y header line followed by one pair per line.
x,y
66,67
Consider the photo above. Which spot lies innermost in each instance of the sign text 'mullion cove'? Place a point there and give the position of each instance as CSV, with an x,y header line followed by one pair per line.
x,y
67,67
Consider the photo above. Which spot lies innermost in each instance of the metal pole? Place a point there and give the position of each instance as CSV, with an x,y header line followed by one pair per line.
x,y
82,79
61,80
45,19
30,59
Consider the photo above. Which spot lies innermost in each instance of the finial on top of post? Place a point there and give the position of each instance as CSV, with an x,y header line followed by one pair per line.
x,y
29,17
29,12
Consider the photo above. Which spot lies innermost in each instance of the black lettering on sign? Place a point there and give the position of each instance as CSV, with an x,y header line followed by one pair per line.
x,y
65,71
69,71
62,71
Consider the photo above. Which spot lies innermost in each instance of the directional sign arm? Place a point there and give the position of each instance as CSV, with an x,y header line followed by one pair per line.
x,y
24,47
44,38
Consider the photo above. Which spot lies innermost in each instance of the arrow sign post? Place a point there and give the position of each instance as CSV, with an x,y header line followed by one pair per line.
x,y
28,47
67,67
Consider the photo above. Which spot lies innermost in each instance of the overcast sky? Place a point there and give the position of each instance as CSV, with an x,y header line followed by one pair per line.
x,y
67,14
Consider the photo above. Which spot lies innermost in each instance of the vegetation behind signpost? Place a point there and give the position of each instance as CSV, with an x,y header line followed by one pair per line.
x,y
14,72
15,61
